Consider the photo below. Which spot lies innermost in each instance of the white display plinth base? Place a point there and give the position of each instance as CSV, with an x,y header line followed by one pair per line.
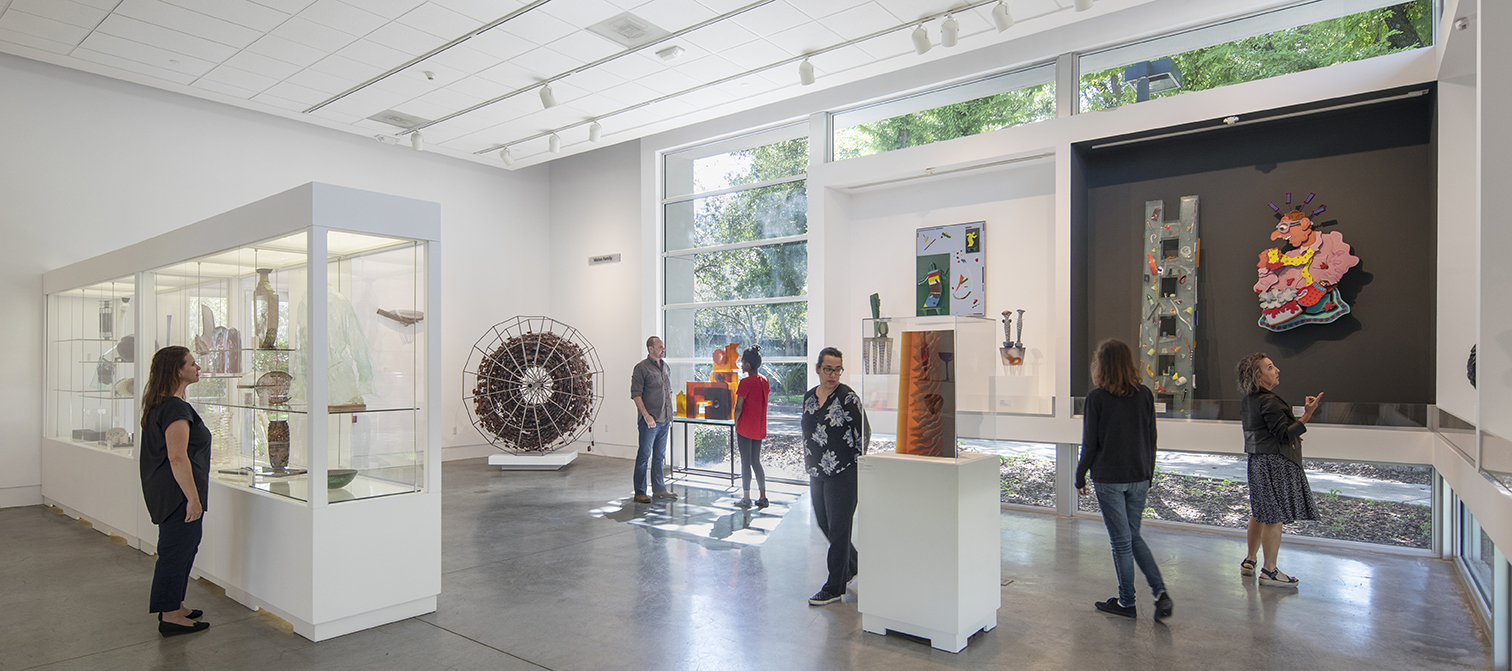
x,y
553,461
929,539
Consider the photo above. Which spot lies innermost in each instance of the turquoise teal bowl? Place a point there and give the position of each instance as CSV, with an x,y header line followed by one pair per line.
x,y
336,478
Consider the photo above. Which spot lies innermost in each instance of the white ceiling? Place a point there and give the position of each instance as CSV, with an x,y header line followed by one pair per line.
x,y
287,56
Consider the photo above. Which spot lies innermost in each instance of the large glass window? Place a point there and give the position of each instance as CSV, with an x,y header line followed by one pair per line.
x,y
981,106
1302,37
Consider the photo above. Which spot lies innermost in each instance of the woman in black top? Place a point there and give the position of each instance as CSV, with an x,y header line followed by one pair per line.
x,y
1118,446
834,435
175,468
1278,487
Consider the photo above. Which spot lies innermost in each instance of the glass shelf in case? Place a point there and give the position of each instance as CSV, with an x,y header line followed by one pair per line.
x,y
91,371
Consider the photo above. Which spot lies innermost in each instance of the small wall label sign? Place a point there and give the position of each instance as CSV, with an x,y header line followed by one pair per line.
x,y
603,258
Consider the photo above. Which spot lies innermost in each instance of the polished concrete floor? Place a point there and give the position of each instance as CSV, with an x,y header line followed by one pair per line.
x,y
534,580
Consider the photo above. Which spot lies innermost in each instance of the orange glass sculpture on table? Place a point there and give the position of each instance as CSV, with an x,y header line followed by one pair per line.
x,y
926,395
716,399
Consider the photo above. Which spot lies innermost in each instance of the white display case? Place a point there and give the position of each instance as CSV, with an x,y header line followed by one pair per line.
x,y
326,513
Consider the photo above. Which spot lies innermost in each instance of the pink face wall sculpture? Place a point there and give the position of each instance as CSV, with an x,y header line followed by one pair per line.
x,y
1299,278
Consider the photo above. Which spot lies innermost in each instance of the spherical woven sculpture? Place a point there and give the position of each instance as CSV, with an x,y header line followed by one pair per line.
x,y
533,385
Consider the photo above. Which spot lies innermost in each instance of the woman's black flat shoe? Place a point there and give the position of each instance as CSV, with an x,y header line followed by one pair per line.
x,y
193,615
168,629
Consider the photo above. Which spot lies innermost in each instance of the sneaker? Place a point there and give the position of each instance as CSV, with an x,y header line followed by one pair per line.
x,y
823,598
665,495
642,498
743,503
1112,606
762,502
1164,606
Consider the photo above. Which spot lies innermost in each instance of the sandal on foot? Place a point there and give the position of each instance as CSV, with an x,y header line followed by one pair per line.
x,y
1275,578
1247,567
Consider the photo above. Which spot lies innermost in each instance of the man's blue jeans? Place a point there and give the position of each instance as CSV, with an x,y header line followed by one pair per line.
x,y
653,448
1122,506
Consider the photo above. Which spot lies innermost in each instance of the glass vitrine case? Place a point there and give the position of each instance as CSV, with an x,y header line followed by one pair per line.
x,y
92,374
248,318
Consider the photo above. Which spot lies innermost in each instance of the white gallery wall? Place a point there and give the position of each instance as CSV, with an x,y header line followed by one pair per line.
x,y
92,164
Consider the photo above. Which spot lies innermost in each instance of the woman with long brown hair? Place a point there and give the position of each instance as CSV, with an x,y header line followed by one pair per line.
x,y
1118,447
175,482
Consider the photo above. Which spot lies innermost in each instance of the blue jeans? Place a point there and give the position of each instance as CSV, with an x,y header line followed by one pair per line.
x,y
1122,506
653,447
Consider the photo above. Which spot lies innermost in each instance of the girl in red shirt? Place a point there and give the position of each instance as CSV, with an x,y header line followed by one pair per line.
x,y
750,424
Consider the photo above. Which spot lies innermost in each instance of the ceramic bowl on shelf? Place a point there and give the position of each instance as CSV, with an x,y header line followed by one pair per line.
x,y
336,478
273,387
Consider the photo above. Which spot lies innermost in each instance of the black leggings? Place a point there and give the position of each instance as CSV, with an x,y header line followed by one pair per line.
x,y
750,460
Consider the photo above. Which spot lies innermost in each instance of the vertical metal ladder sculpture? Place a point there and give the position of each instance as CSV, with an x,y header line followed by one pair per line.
x,y
1168,328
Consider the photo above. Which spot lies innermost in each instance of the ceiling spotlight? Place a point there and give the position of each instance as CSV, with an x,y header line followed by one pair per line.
x,y
508,157
595,131
806,72
670,53
950,30
547,97
1001,17
921,40
555,143
1083,5
416,141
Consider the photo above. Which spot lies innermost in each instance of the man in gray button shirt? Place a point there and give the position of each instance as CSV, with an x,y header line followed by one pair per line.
x,y
651,389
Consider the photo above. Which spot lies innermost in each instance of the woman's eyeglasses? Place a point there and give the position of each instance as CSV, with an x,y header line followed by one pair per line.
x,y
831,370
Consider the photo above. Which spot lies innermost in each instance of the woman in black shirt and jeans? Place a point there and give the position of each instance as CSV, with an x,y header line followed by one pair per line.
x,y
1118,446
175,469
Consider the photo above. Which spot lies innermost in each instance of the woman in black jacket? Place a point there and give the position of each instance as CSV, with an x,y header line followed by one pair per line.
x,y
1279,492
175,469
1118,447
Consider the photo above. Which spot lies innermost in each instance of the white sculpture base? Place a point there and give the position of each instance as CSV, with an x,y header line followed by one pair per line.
x,y
553,461
929,537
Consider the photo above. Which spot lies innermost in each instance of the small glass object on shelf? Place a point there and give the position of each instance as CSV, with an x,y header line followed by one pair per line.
x,y
91,391
265,311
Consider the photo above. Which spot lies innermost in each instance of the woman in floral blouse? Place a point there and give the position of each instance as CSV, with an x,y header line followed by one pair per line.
x,y
834,435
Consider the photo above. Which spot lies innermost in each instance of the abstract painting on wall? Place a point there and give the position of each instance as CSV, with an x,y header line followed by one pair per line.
x,y
949,270
926,395
1299,279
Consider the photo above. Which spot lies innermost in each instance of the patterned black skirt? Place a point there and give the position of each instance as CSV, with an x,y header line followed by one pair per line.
x,y
1279,491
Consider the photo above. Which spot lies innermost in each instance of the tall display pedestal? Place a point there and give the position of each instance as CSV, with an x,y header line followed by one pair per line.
x,y
552,461
929,540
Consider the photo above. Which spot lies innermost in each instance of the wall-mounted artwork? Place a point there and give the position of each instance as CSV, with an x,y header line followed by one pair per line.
x,y
1168,332
949,271
926,394
1299,279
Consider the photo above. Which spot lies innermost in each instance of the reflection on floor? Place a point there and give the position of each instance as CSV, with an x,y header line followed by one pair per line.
x,y
705,512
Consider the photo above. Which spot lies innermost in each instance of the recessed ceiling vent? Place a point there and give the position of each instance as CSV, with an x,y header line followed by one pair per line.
x,y
400,119
628,29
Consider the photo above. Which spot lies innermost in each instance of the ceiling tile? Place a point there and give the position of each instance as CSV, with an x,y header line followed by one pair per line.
x,y
240,78
719,36
828,7
674,15
804,39
193,23
293,6
858,21
912,10
343,17
279,102
287,51
453,100
706,98
439,76
747,86
300,94
34,42
328,84
223,88
709,68
367,102
131,66
373,53
260,64
597,105
424,110
106,5
538,27
462,59
771,19
240,12
756,54
546,62
500,45
412,41
45,28
564,92
481,88
346,68
64,11
630,93
439,21
634,66
510,75
482,11
889,45
840,60
145,53
388,9
407,87
580,13
627,4
724,6
595,79
586,46
312,34
668,82
172,40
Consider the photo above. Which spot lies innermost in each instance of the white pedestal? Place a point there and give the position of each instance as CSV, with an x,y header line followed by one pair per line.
x,y
553,461
930,545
